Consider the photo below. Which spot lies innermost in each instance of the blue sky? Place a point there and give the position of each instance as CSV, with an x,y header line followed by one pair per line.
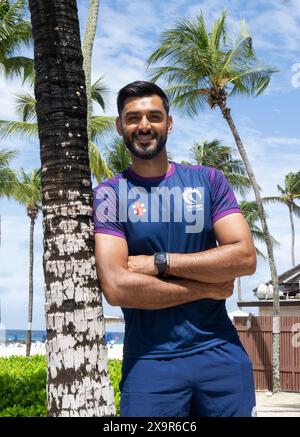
x,y
127,34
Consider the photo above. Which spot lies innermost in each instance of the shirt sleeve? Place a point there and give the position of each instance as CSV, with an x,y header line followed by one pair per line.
x,y
106,211
223,199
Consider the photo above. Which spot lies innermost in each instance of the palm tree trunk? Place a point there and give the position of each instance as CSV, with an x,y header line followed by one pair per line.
x,y
30,297
293,235
239,288
87,50
77,371
276,307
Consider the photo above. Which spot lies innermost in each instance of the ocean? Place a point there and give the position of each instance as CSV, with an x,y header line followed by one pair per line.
x,y
20,335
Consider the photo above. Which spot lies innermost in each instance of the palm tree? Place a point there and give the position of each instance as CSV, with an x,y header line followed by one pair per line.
x,y
117,155
28,192
26,126
205,68
77,373
288,195
213,154
15,31
8,178
250,212
93,92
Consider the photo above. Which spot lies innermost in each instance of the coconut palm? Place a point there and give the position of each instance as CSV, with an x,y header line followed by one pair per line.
x,y
8,178
26,126
288,196
250,212
117,155
28,192
15,31
204,68
77,373
213,154
93,92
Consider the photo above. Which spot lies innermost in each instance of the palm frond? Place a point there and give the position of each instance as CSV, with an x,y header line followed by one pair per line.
x,y
8,177
18,129
18,66
296,209
218,33
117,155
274,199
99,91
28,191
98,165
252,80
26,106
101,125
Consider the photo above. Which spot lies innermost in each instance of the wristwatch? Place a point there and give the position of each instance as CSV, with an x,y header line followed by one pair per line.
x,y
162,262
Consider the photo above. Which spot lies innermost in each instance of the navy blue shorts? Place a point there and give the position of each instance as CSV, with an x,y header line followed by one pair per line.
x,y
215,383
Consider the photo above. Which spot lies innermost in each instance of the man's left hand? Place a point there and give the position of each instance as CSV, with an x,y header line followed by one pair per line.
x,y
142,264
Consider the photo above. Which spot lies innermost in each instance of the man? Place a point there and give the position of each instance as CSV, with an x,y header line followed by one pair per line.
x,y
157,225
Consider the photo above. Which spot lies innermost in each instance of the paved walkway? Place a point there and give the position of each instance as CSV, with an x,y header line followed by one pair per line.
x,y
284,404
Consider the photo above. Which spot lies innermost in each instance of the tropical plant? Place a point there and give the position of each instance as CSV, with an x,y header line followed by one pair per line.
x,y
77,373
117,155
204,68
93,92
213,154
28,192
8,178
15,31
250,212
26,127
288,196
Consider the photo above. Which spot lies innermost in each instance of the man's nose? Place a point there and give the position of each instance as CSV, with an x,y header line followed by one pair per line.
x,y
144,124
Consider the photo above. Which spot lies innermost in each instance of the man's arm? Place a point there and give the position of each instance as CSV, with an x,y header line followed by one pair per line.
x,y
137,290
235,256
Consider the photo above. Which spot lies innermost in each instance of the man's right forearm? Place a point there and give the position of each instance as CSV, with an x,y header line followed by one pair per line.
x,y
135,290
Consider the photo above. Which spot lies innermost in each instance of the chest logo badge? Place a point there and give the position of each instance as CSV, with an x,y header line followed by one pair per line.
x,y
138,208
192,196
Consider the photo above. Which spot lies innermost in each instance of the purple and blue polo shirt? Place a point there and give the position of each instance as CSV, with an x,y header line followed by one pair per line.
x,y
174,213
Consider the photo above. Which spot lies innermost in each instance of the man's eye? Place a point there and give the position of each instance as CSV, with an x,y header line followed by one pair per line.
x,y
132,119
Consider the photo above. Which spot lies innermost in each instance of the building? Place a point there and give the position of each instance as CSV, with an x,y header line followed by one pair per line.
x,y
289,293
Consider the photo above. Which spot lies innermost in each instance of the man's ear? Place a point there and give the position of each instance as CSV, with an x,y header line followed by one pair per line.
x,y
170,124
119,126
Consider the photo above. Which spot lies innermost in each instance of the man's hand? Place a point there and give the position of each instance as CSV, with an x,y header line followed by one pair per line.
x,y
145,264
142,264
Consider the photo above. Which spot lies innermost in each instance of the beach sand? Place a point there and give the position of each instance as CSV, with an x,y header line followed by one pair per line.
x,y
38,348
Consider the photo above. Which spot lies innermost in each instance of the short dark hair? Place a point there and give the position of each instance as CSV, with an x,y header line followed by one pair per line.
x,y
141,88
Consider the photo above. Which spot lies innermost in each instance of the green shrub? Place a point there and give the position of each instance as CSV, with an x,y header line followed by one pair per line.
x,y
23,385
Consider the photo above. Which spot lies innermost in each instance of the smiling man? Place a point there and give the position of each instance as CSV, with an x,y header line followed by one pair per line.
x,y
169,241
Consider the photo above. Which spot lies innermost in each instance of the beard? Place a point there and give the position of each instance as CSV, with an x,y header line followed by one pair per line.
x,y
148,151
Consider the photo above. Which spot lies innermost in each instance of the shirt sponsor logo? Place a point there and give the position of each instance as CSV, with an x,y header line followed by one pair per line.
x,y
193,199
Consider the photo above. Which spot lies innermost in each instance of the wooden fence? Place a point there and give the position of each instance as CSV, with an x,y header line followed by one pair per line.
x,y
256,337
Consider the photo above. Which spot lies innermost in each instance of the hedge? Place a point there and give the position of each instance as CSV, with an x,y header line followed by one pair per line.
x,y
23,385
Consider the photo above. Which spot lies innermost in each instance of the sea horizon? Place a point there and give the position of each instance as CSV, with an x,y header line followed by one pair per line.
x,y
20,335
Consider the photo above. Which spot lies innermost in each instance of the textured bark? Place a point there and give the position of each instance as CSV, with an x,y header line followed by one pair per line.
x,y
276,306
87,51
30,297
293,234
77,372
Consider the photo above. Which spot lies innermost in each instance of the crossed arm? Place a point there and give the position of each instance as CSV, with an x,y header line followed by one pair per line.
x,y
132,282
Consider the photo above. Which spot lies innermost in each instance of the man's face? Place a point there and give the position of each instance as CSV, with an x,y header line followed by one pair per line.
x,y
144,125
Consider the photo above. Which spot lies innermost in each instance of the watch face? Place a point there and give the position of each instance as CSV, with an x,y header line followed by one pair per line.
x,y
160,257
